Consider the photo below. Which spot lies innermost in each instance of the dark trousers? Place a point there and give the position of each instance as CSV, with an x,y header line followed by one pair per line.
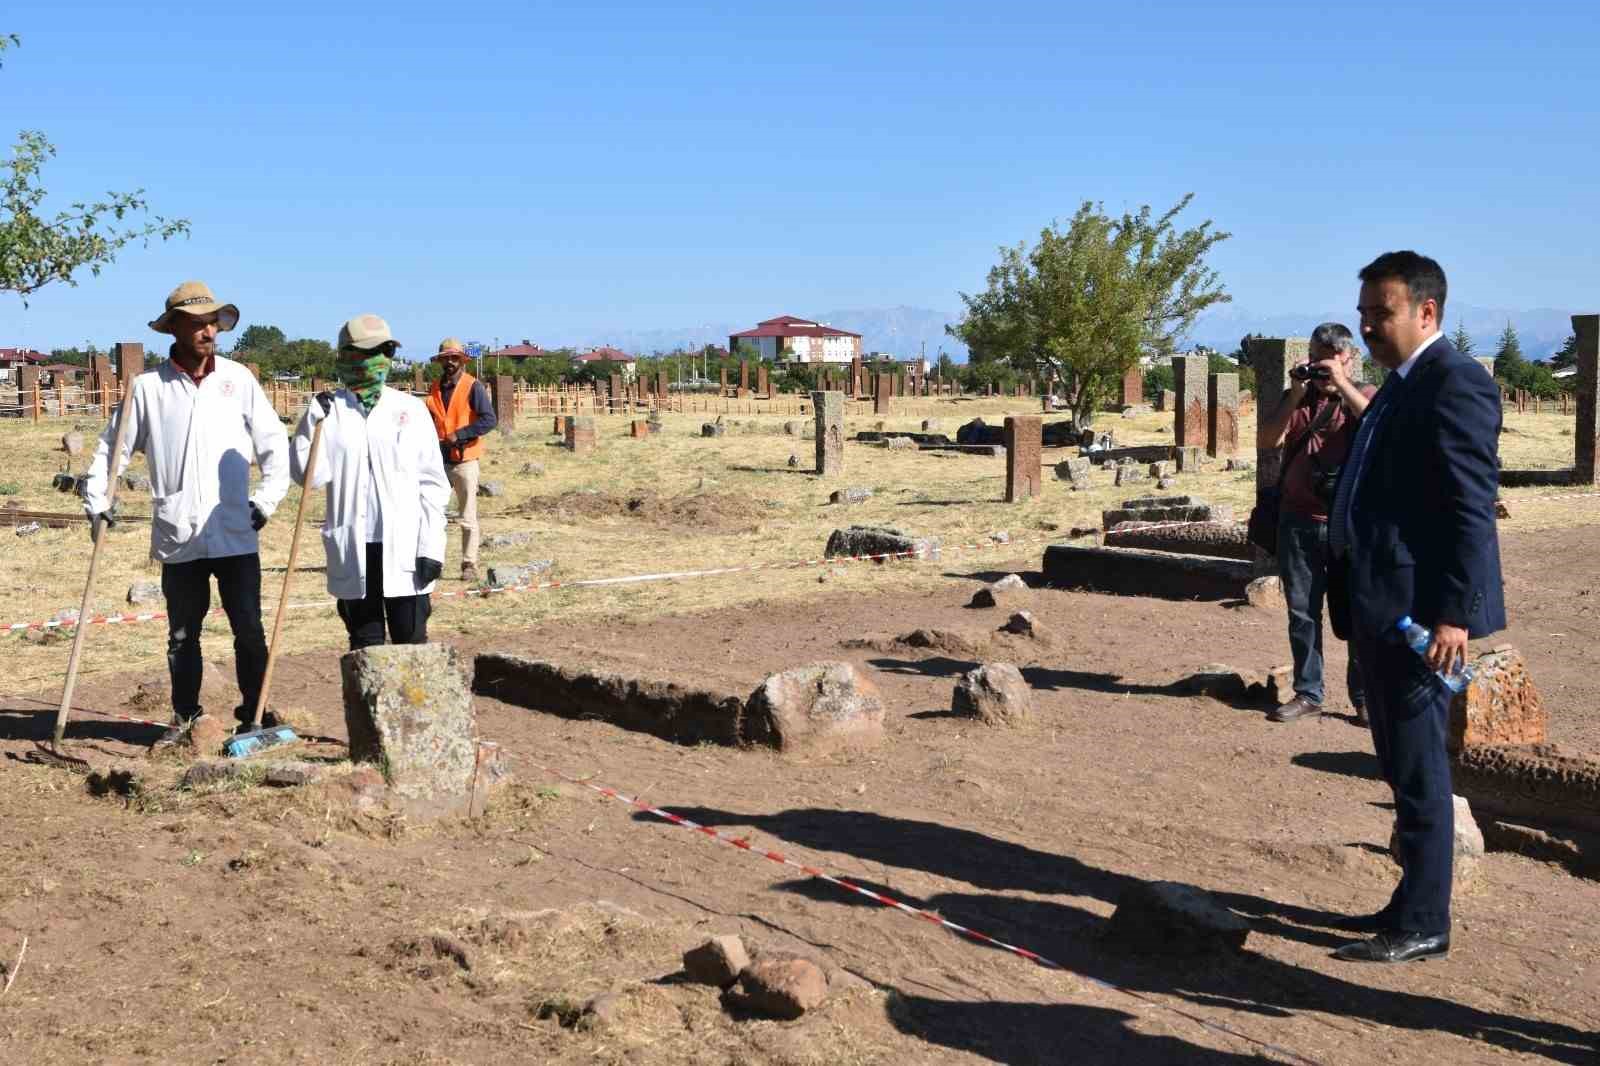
x,y
1409,709
187,588
407,616
1303,560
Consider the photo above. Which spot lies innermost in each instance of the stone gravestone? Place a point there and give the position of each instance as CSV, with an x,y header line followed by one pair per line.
x,y
1189,417
408,710
614,393
663,388
882,395
855,384
27,384
722,380
1167,400
1222,416
764,382
829,408
1587,433
1024,438
580,434
1133,387
505,402
1272,357
417,384
639,428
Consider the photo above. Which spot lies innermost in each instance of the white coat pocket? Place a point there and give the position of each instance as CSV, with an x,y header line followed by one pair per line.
x,y
174,525
344,562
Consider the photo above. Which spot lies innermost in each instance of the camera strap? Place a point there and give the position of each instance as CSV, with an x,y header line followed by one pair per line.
x,y
1321,419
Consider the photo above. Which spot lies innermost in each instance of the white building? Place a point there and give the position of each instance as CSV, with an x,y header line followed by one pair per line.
x,y
787,339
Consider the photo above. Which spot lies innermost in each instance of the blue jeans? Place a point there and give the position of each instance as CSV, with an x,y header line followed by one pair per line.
x,y
1303,559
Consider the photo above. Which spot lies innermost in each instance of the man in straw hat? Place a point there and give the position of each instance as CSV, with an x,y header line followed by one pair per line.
x,y
200,419
462,414
379,460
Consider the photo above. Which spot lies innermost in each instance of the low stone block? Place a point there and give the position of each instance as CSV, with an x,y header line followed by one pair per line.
x,y
994,693
507,576
711,429
1135,572
900,444
1130,475
1075,471
1538,784
515,539
881,542
815,709
408,710
1163,917
1501,705
663,709
491,489
1188,459
999,592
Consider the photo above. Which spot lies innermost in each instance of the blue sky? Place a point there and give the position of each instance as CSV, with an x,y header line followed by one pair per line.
x,y
556,171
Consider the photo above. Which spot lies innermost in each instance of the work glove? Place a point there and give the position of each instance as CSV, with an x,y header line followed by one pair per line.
x,y
428,570
325,401
108,516
258,517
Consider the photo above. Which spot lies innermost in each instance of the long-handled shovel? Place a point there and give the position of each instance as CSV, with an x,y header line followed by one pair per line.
x,y
257,739
130,356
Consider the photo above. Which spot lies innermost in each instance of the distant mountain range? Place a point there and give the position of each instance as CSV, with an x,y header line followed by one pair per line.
x,y
904,331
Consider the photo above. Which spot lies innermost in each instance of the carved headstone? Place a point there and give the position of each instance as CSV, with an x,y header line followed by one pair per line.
x,y
1023,442
1189,417
883,395
580,434
1133,386
505,402
829,408
1222,416
408,709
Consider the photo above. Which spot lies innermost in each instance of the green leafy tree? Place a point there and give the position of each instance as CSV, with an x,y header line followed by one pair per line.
x,y
1085,302
37,248
1158,379
1509,365
255,338
1462,339
947,368
1567,355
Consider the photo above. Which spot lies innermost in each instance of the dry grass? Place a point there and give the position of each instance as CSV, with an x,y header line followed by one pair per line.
x,y
952,496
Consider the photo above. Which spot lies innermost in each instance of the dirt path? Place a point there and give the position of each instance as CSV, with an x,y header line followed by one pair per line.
x,y
254,927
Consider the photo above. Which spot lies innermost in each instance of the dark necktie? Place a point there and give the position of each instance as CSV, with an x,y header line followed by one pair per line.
x,y
1339,531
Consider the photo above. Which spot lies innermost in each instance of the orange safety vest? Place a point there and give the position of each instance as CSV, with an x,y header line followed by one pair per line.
x,y
458,416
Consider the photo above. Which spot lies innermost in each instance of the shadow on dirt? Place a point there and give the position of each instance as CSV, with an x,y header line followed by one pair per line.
x,y
1071,936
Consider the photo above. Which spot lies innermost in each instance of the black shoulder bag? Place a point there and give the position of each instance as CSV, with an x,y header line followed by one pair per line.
x,y
1262,528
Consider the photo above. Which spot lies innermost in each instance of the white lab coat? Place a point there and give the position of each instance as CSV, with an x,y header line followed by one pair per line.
x,y
198,442
398,436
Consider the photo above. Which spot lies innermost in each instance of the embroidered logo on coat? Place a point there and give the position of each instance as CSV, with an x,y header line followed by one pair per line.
x,y
402,418
227,388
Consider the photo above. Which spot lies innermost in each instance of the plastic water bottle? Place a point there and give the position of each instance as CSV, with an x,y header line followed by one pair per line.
x,y
1417,638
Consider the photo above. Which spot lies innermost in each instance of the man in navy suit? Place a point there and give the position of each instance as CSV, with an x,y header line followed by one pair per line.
x,y
1413,519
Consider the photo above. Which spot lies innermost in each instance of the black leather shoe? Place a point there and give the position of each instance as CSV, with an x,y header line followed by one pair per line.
x,y
1294,710
1396,947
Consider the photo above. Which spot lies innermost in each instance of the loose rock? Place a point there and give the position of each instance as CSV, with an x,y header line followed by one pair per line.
x,y
852,495
72,443
491,489
1024,624
516,539
530,469
999,592
712,429
1240,464
501,577
815,708
145,592
881,541
995,693
718,961
1466,856
901,444
135,482
1174,919
781,987
1265,592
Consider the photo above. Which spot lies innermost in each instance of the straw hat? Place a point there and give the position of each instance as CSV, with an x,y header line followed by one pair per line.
x,y
365,332
451,345
194,298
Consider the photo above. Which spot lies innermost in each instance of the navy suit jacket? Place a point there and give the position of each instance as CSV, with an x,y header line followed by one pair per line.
x,y
1423,538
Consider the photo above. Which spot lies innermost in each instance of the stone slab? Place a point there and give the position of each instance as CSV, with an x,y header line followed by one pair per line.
x,y
661,708
1535,783
1140,572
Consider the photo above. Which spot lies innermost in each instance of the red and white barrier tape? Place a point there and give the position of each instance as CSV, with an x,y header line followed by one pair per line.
x,y
595,582
915,912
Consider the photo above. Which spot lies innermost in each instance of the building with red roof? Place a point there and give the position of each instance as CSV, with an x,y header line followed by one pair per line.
x,y
787,339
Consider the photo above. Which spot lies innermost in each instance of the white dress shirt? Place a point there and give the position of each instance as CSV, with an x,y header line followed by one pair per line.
x,y
199,442
1405,368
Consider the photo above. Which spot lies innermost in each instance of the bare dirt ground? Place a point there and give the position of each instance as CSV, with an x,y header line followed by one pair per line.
x,y
254,925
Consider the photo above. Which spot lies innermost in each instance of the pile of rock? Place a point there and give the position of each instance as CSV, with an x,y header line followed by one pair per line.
x,y
775,984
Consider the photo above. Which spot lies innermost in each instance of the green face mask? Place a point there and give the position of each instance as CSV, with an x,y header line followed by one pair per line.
x,y
363,376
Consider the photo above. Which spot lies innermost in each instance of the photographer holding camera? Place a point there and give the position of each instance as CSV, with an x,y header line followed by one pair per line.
x,y
1314,424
